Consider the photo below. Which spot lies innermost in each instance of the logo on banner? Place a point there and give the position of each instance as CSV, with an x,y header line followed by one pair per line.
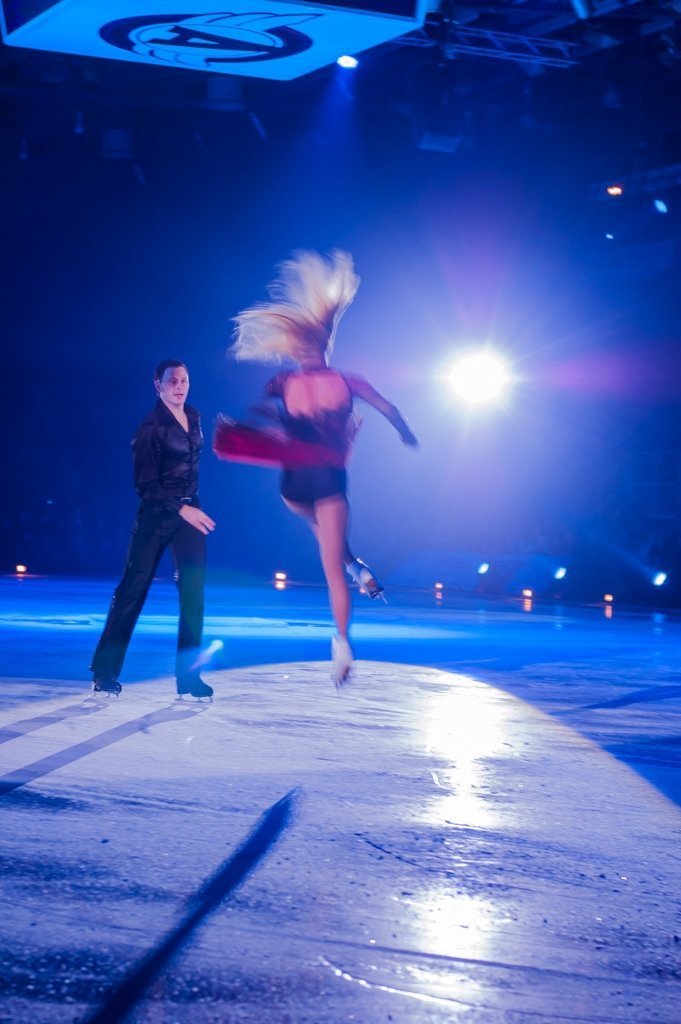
x,y
205,41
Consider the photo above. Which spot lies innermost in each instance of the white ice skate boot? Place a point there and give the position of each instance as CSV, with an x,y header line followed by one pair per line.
x,y
341,653
360,572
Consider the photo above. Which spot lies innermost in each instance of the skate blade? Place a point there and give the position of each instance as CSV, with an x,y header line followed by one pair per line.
x,y
191,699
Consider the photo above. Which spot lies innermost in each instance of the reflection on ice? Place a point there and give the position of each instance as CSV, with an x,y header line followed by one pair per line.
x,y
456,925
463,728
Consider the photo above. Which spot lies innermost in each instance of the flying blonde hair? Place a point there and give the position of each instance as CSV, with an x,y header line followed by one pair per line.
x,y
309,296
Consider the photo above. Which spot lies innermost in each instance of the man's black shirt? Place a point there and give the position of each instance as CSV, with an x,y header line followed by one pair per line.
x,y
166,458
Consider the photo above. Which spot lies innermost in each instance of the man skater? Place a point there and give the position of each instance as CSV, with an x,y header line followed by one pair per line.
x,y
166,452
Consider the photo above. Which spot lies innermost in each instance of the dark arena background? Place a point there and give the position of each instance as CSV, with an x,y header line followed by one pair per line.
x,y
483,823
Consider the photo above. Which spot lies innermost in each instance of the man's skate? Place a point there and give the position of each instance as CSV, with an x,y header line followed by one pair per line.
x,y
106,687
194,686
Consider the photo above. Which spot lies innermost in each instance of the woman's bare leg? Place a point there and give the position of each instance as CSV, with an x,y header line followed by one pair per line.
x,y
307,512
304,510
328,520
331,516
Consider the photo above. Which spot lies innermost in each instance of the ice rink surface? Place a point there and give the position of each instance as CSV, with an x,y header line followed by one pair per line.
x,y
486,829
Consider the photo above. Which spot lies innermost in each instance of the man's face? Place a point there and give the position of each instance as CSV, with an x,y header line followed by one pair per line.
x,y
173,387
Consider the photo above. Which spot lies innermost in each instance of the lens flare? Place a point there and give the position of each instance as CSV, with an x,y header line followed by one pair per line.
x,y
479,377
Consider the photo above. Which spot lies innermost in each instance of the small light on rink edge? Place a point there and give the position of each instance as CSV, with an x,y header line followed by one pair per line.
x,y
527,593
346,61
614,190
280,576
439,586
608,598
20,569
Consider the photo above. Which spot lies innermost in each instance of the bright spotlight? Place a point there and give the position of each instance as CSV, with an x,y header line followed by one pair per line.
x,y
661,206
347,62
614,190
483,568
609,235
659,579
560,573
479,377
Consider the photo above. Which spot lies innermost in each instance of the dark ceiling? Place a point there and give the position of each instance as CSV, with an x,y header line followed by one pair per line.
x,y
538,64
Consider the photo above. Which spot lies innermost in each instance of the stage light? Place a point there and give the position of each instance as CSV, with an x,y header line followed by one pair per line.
x,y
527,593
609,236
439,586
660,206
560,573
20,569
280,576
614,190
483,568
350,63
608,598
479,377
659,579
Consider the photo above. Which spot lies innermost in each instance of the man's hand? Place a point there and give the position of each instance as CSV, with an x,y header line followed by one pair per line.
x,y
197,518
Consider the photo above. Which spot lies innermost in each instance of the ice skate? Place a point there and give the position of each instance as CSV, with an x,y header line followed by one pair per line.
x,y
341,653
362,575
106,687
194,687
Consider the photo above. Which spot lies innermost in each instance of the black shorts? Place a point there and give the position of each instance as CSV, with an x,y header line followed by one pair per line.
x,y
312,483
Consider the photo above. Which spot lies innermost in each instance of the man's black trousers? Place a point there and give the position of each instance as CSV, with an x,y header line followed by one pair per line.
x,y
152,533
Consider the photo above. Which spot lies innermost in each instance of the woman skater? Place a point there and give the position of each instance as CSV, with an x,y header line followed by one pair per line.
x,y
299,325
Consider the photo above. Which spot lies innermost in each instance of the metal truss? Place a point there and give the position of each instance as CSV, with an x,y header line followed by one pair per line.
x,y
481,42
513,46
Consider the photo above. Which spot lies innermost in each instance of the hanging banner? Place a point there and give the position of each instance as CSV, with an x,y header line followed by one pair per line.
x,y
258,38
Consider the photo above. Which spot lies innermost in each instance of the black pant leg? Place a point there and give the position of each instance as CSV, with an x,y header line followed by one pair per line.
x,y
150,536
189,550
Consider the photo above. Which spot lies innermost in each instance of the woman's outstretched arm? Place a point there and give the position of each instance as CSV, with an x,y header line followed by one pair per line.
x,y
361,388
